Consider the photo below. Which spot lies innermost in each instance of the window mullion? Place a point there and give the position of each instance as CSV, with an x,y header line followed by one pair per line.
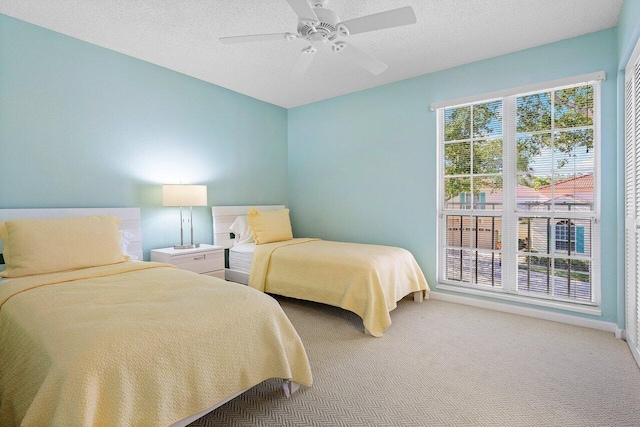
x,y
471,157
552,235
509,219
442,239
596,242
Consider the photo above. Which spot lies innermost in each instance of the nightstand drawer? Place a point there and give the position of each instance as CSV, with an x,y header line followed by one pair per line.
x,y
205,259
200,262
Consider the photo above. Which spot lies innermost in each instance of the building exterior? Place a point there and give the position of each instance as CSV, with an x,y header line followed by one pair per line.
x,y
535,234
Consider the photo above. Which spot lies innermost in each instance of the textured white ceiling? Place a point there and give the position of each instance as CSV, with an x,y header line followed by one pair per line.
x,y
183,36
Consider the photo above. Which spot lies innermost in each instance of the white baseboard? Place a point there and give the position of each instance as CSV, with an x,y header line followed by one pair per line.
x,y
526,311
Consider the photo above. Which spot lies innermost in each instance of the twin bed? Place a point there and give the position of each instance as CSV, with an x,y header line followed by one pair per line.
x,y
126,343
365,279
90,337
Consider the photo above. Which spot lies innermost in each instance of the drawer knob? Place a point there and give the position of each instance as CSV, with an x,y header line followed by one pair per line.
x,y
198,257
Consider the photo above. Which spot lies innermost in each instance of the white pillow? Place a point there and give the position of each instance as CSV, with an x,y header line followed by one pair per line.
x,y
242,230
125,239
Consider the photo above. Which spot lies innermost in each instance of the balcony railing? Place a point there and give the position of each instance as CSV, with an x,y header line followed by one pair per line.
x,y
545,265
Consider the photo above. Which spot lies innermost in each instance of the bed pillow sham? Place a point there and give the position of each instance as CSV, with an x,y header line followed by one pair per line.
x,y
125,240
241,228
38,246
270,226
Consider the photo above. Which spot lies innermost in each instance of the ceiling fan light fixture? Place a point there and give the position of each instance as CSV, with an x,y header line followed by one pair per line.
x,y
343,30
338,46
319,25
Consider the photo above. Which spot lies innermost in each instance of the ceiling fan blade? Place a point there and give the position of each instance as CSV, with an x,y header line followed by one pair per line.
x,y
305,58
360,58
378,21
254,38
303,9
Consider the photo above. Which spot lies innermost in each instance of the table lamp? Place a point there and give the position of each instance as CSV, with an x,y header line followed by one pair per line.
x,y
183,195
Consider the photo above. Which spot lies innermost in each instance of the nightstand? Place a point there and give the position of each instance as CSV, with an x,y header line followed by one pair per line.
x,y
207,259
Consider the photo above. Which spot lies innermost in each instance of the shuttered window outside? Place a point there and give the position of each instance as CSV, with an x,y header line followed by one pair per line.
x,y
519,195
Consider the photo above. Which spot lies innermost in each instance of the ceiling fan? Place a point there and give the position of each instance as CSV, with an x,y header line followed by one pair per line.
x,y
321,26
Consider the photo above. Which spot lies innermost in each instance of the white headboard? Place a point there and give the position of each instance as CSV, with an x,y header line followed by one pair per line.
x,y
129,217
223,217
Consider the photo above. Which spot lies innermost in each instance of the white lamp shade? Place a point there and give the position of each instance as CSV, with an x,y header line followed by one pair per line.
x,y
184,195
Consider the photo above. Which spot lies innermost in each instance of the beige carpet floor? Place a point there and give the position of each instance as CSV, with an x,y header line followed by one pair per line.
x,y
446,364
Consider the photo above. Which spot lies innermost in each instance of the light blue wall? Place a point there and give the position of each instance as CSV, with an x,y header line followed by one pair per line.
x,y
362,167
83,126
628,30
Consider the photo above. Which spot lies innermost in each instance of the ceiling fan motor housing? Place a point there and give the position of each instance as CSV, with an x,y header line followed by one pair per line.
x,y
327,25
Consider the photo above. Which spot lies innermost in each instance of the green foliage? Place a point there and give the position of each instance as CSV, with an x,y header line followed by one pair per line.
x,y
570,108
457,125
574,107
487,152
536,114
540,182
577,269
487,156
456,158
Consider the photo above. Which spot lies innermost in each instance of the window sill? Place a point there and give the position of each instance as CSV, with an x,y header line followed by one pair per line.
x,y
593,310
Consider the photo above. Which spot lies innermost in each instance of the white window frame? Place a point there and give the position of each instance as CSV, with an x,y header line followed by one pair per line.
x,y
508,290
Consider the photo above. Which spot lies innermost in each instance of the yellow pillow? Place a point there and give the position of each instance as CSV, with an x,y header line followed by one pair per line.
x,y
270,226
38,246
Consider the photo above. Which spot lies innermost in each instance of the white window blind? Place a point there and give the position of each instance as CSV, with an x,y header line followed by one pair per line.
x,y
519,195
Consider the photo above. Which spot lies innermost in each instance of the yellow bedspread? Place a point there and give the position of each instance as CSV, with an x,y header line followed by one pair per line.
x,y
365,279
135,344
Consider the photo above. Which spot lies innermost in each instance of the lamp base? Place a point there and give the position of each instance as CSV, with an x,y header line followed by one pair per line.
x,y
197,245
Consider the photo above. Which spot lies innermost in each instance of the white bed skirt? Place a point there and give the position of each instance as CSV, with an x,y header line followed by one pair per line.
x,y
236,276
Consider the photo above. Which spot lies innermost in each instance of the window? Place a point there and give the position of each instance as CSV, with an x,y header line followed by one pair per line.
x,y
468,199
569,237
518,193
472,170
564,235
